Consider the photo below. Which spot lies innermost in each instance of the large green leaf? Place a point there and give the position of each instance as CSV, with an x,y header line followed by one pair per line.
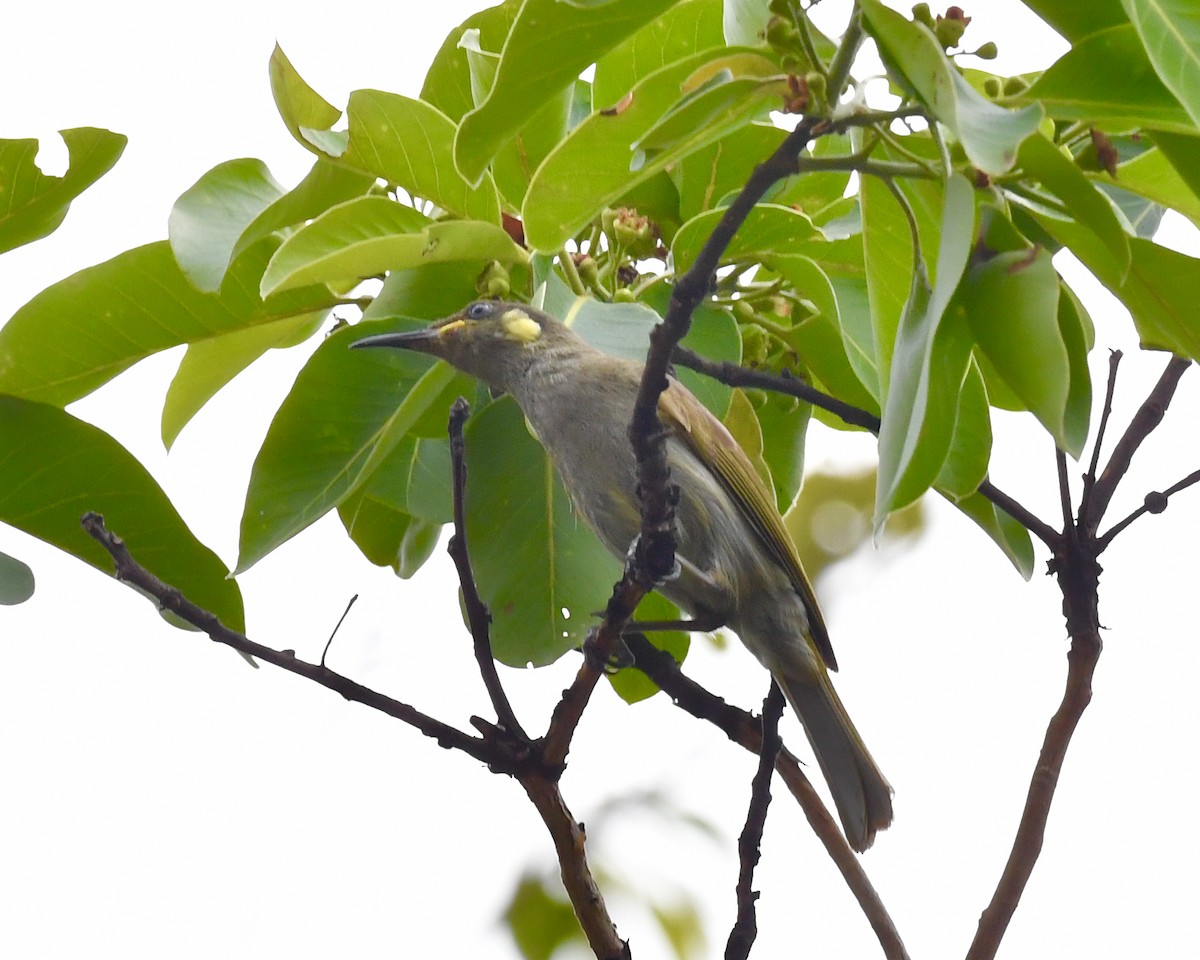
x,y
1011,302
32,205
84,330
1008,534
1170,32
1159,288
371,235
1081,85
1075,20
1183,152
540,570
304,111
388,537
687,28
971,442
210,217
344,415
590,169
768,230
989,133
410,143
448,81
1151,175
527,77
210,364
708,176
54,469
1043,161
928,364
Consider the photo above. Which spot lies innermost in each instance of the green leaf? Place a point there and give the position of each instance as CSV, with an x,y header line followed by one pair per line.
x,y
54,469
1158,289
1183,152
540,920
16,581
722,96
1170,32
684,30
345,413
768,229
1151,175
970,448
210,364
745,21
526,77
387,537
1042,160
821,341
448,81
541,572
887,256
82,331
1080,86
325,185
783,422
590,169
708,176
633,686
35,204
928,365
744,427
1075,20
210,216
369,235
410,144
989,133
304,111
1007,533
1011,301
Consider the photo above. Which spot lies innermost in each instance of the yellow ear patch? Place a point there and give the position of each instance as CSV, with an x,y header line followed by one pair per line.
x,y
520,326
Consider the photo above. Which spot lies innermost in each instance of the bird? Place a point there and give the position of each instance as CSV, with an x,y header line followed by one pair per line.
x,y
737,565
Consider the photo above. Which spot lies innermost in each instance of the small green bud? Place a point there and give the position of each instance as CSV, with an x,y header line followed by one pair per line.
x,y
494,281
623,295
781,8
758,398
1014,85
818,88
634,232
781,33
922,14
588,269
608,216
988,51
743,310
949,29
756,345
991,86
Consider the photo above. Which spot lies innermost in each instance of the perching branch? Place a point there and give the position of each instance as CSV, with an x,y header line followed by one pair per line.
x,y
740,727
479,618
745,927
169,598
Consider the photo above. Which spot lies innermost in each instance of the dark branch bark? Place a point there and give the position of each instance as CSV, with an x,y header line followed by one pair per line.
x,y
479,618
130,571
740,727
745,927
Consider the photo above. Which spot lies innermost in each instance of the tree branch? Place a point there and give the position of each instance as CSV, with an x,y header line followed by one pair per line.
x,y
1147,418
497,757
479,618
741,728
1154,503
745,927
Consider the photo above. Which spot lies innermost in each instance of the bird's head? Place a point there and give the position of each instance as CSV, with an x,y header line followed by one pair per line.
x,y
489,339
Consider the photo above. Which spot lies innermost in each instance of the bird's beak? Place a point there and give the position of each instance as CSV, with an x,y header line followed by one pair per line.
x,y
422,340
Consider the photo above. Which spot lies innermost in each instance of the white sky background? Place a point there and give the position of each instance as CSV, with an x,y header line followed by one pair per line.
x,y
162,799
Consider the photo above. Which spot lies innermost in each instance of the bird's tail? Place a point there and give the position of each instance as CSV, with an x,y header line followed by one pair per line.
x,y
861,794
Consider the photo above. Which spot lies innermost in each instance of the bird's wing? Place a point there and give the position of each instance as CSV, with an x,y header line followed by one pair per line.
x,y
695,426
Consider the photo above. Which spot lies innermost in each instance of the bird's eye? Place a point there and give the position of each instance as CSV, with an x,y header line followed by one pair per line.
x,y
477,311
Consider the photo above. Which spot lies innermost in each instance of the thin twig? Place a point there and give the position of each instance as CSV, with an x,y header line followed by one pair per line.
x,y
1148,416
479,618
1064,490
130,571
741,728
336,628
1154,503
745,927
1089,478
